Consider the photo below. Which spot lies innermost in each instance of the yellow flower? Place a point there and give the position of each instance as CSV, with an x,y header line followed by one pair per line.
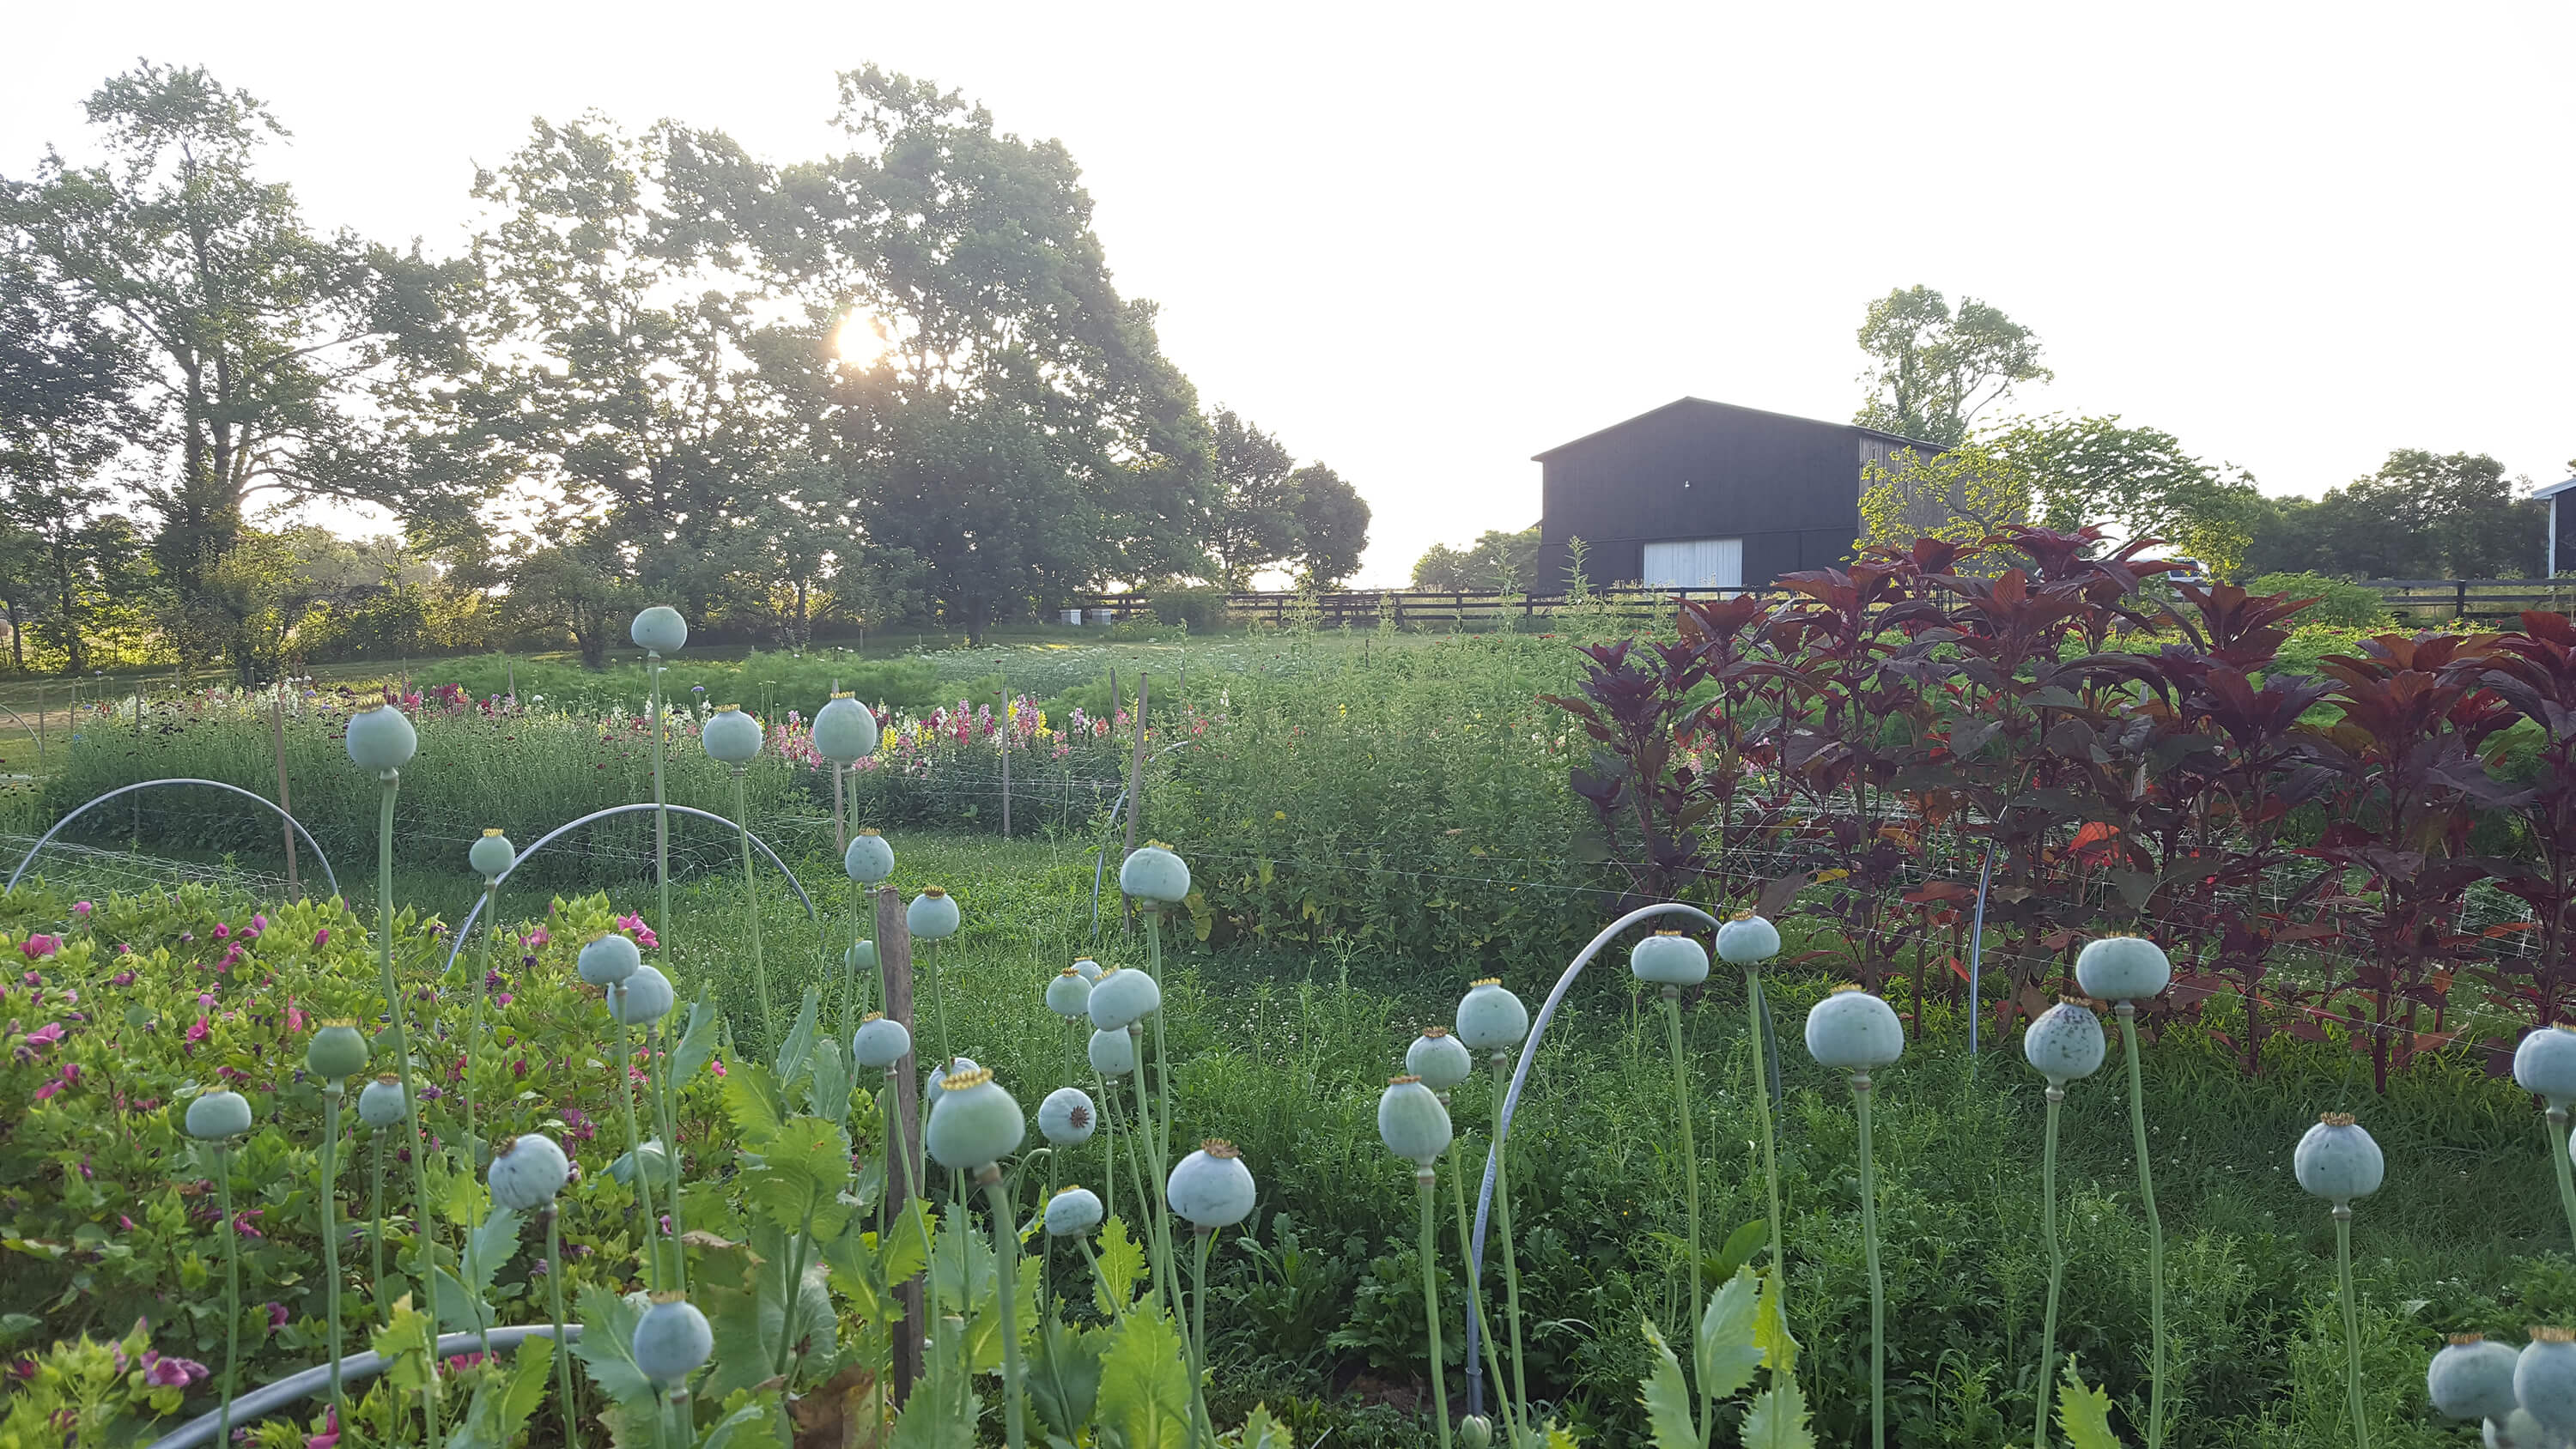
x,y
1278,814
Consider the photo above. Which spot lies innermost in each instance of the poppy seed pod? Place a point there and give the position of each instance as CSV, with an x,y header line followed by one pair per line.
x,y
860,959
2337,1160
1121,998
1072,1211
659,630
1088,968
1211,1188
1067,1118
1113,1053
1411,1121
2473,1378
2064,1043
932,916
880,1042
1475,1432
1439,1059
1155,874
1069,994
2518,1430
527,1171
2122,968
2544,1379
1854,1031
2544,1064
381,740
380,1102
217,1115
1668,958
491,855
844,730
974,1124
672,1339
336,1051
642,998
730,736
938,1074
608,958
1491,1019
1748,939
869,859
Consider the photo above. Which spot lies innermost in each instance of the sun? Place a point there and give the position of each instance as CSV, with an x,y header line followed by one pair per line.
x,y
859,341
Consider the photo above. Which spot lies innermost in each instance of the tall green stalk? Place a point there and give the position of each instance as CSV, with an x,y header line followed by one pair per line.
x,y
661,826
425,1237
1006,1252
1690,1188
1476,1296
332,1092
939,1006
664,1095
1503,1220
2056,1269
625,1069
1158,1241
1877,1284
2351,1326
232,1293
563,1345
1761,1016
2127,1012
473,1038
376,1216
751,911
1424,1189
1203,1432
2558,1157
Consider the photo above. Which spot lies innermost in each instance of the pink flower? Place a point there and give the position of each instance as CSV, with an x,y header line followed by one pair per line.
x,y
171,1373
81,908
539,937
258,924
276,1316
718,1064
46,1035
322,937
198,1032
41,945
125,1222
222,930
295,1018
329,1438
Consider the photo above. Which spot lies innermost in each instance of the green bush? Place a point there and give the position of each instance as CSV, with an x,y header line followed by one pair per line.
x,y
2339,602
1197,610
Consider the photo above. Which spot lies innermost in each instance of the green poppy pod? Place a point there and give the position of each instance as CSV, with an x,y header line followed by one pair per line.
x,y
380,1102
1073,1211
2472,1378
2338,1161
880,1042
1069,994
1089,968
659,630
218,1115
1113,1053
1411,1121
607,958
381,740
1854,1031
642,998
527,1171
932,916
2544,1379
1067,1118
869,860
492,854
1491,1019
1155,874
1668,958
730,736
2518,1430
1210,1188
2544,1064
938,1074
336,1051
2064,1043
1122,997
844,730
1475,1432
861,958
1747,939
1439,1059
672,1340
2122,968
974,1124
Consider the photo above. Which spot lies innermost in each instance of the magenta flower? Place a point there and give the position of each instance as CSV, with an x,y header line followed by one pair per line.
x,y
172,1373
41,945
222,930
276,1316
322,937
81,909
329,1438
199,1032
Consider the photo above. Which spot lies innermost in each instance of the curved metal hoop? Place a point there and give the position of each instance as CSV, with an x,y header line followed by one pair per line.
x,y
261,1402
1512,1099
97,800
466,928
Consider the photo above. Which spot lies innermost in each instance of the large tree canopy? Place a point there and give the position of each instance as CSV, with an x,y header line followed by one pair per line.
x,y
2421,515
1931,372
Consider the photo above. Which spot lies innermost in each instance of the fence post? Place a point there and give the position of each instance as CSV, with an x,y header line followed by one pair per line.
x,y
2462,606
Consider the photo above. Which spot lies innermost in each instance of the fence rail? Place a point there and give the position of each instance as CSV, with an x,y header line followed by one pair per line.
x,y
2474,598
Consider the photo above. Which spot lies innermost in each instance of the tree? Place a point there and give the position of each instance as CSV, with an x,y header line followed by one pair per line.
x,y
1252,518
2420,515
577,586
1931,373
263,343
1496,562
2138,483
1332,525
1962,495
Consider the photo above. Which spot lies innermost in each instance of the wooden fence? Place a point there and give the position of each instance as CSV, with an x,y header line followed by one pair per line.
x,y
1406,608
2426,600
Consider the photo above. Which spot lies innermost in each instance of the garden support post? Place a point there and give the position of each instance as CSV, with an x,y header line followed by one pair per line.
x,y
2056,1268
1877,1283
1424,1188
894,967
2127,1013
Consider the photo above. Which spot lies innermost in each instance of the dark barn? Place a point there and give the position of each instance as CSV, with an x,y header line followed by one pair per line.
x,y
1700,494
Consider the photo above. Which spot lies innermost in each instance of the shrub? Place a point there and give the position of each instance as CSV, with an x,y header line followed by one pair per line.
x,y
2339,602
1197,610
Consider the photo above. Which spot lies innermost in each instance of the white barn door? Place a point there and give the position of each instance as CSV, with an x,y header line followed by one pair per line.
x,y
1695,563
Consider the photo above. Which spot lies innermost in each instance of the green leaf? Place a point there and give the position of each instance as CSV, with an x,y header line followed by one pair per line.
x,y
831,1083
698,1044
490,1246
1064,1379
1779,1346
1559,1437
460,1308
1145,1384
798,1048
743,1418
753,1103
1727,1351
802,1169
851,1260
1260,1431
1122,1267
2084,1413
404,1343
1778,1418
1666,1397
1740,1247
502,1405
903,1253
607,1346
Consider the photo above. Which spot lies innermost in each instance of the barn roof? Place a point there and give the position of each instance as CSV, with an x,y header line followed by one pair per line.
x,y
1701,402
2554,489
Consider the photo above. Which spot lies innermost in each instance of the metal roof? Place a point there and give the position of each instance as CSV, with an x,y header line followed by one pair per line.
x,y
1759,412
2554,489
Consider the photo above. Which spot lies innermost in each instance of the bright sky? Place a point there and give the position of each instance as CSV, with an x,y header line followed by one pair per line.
x,y
1422,243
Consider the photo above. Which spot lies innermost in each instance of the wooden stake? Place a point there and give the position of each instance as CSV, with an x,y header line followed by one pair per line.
x,y
894,965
